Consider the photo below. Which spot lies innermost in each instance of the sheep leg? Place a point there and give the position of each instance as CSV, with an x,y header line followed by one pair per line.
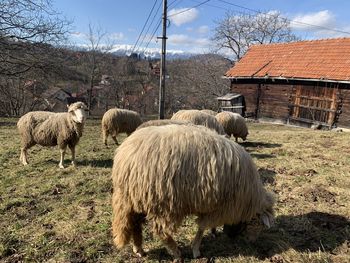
x,y
171,245
63,152
197,241
213,232
72,149
105,137
24,158
114,137
137,235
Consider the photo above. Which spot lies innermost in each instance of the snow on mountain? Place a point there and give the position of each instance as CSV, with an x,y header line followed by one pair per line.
x,y
153,53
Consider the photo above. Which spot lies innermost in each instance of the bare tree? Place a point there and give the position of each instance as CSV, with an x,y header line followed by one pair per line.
x,y
96,49
196,82
26,27
236,33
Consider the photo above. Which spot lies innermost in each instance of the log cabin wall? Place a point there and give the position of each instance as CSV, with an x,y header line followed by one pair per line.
x,y
272,102
344,116
327,104
249,91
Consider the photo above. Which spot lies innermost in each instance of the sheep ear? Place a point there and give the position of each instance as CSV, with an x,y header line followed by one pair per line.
x,y
267,219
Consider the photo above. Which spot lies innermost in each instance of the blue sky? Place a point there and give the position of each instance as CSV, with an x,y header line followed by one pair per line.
x,y
122,21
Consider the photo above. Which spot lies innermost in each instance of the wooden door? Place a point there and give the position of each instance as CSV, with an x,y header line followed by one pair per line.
x,y
314,104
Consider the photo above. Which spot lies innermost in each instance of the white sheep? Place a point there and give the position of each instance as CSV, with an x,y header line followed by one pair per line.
x,y
233,124
199,118
116,121
163,122
210,112
51,129
165,173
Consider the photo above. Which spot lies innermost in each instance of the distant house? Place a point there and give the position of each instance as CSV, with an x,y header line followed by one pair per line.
x,y
302,82
40,96
56,99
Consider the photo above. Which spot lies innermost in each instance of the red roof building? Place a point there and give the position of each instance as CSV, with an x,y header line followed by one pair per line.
x,y
304,82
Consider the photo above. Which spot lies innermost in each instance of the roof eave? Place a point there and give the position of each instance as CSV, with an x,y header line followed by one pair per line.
x,y
288,79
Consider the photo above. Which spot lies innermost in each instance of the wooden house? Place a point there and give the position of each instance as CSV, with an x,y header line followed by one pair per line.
x,y
306,82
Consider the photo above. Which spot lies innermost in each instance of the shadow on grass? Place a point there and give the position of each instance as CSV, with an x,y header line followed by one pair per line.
x,y
267,175
103,163
7,123
262,155
106,163
311,232
260,144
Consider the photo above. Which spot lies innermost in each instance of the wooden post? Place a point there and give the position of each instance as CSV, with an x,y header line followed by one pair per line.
x,y
334,106
162,64
258,94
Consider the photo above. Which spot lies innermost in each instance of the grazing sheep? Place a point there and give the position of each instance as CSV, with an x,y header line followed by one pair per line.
x,y
166,173
162,123
51,129
233,123
199,118
210,112
116,121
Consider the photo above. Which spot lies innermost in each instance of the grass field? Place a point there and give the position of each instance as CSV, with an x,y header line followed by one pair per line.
x,y
64,215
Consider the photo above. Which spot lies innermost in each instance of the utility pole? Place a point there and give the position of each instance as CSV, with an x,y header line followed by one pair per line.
x,y
162,64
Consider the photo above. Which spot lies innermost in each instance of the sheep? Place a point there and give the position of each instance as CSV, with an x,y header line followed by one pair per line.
x,y
234,124
116,121
163,122
199,118
51,129
165,173
210,112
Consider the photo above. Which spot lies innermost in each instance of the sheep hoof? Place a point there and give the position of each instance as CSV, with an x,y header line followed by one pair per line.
x,y
61,166
74,164
140,253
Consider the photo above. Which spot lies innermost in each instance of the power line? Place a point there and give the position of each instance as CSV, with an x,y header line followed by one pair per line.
x,y
188,9
143,28
159,23
149,26
291,21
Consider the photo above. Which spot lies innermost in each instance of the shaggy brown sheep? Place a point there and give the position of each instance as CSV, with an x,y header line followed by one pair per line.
x,y
165,173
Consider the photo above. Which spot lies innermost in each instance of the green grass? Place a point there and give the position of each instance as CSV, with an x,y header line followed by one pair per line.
x,y
54,215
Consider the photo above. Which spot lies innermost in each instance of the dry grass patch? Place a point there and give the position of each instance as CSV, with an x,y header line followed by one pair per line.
x,y
54,215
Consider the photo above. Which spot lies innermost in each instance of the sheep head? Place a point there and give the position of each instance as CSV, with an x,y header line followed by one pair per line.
x,y
264,219
78,110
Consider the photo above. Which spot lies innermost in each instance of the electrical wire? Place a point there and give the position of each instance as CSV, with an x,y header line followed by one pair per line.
x,y
143,28
291,21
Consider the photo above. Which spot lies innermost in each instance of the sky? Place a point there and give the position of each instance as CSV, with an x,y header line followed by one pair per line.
x,y
192,22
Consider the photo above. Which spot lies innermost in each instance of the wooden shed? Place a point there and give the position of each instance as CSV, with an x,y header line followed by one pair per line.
x,y
233,102
303,82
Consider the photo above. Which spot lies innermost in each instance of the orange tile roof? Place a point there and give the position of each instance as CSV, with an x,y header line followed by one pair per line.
x,y
327,59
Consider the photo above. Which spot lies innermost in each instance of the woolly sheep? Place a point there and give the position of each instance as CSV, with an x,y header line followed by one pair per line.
x,y
210,112
51,129
116,121
163,122
199,118
166,173
233,123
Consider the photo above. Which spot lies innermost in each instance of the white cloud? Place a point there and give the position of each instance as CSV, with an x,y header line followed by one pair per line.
x,y
116,36
182,15
323,18
203,30
185,40
78,35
